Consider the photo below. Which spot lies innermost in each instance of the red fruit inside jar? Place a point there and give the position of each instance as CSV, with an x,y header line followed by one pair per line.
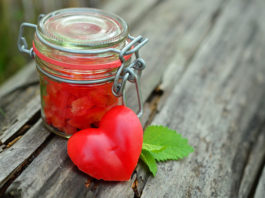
x,y
70,107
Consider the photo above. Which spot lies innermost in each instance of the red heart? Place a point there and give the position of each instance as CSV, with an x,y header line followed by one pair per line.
x,y
110,152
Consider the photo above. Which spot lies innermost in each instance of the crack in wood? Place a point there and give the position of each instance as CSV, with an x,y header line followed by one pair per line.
x,y
242,158
135,188
19,107
257,179
259,172
16,139
152,102
23,129
16,172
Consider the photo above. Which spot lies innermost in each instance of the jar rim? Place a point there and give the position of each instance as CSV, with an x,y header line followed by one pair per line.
x,y
82,28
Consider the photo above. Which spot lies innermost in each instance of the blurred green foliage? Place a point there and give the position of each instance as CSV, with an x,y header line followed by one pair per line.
x,y
12,14
10,59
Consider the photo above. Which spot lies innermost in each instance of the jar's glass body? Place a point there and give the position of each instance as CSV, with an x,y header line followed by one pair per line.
x,y
68,107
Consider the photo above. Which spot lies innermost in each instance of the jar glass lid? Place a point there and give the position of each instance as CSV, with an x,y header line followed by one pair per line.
x,y
83,28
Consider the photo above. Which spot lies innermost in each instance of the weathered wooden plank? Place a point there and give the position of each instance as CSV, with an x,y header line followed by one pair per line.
x,y
252,169
131,11
168,11
20,78
58,177
260,192
187,46
17,112
49,178
216,105
174,53
19,102
12,158
58,167
175,30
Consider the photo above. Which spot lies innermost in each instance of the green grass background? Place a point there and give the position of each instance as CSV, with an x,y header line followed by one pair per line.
x,y
12,14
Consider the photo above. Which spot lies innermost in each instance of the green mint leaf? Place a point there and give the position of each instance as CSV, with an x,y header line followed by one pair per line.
x,y
176,147
152,148
149,160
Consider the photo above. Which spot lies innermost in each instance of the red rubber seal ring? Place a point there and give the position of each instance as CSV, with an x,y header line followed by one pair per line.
x,y
108,65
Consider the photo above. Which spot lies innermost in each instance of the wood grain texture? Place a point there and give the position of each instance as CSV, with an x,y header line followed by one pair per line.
x,y
19,102
124,189
175,30
131,11
256,157
18,110
11,159
20,78
54,170
260,192
219,106
168,68
57,177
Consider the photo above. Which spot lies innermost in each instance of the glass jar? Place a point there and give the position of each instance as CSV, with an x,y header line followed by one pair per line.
x,y
83,57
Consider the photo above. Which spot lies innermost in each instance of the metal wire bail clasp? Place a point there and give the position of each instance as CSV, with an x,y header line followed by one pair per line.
x,y
22,43
131,73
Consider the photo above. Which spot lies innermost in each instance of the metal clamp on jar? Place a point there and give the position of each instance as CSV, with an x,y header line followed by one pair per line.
x,y
84,58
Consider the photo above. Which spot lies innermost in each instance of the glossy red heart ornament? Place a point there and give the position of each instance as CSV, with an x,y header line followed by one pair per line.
x,y
110,152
